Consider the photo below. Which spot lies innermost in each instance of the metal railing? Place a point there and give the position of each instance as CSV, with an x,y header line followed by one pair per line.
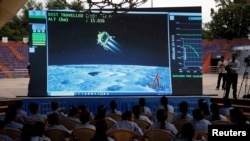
x,y
17,73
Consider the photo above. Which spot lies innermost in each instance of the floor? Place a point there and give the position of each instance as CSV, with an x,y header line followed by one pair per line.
x,y
11,88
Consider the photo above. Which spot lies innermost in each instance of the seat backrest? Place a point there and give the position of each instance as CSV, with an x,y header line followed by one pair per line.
x,y
12,133
170,117
124,135
57,134
157,135
179,123
68,123
198,135
116,117
83,134
220,122
109,123
143,124
147,115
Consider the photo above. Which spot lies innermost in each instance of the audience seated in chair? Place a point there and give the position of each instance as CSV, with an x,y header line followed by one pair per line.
x,y
187,133
38,132
199,122
144,109
215,115
165,105
85,121
203,105
10,119
55,108
127,123
35,114
101,131
82,108
101,113
3,136
113,108
26,133
227,106
53,119
20,111
237,117
137,114
161,122
183,112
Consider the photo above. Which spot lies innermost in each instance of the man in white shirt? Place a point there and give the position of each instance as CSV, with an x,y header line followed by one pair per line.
x,y
232,76
222,73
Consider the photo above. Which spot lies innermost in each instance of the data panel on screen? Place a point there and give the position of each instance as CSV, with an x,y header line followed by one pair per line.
x,y
141,52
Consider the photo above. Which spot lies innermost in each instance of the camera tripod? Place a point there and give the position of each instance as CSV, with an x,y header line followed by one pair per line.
x,y
245,78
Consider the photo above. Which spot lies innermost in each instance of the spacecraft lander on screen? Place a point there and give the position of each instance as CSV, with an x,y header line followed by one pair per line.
x,y
108,42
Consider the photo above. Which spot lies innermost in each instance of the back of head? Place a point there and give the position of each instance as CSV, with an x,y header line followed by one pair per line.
x,y
142,101
183,107
33,107
84,117
19,104
101,112
54,105
27,131
161,115
72,111
38,129
113,105
214,108
164,100
53,119
198,114
127,115
203,105
136,111
187,131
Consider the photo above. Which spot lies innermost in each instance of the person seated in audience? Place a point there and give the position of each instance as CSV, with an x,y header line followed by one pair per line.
x,y
199,122
38,132
203,105
100,133
137,113
144,109
72,114
215,115
165,105
127,123
113,108
10,119
2,135
82,108
26,133
20,111
19,118
56,109
53,119
85,121
35,113
227,106
101,113
237,117
162,123
186,134
183,112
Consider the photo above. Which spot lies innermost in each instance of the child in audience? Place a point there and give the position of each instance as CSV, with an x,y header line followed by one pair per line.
x,y
161,123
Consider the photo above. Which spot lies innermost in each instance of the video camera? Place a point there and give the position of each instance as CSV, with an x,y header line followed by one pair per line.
x,y
247,60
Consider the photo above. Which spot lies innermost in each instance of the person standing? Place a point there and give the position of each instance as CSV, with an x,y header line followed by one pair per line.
x,y
222,73
232,76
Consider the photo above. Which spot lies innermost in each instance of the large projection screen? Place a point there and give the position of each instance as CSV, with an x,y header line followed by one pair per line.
x,y
140,52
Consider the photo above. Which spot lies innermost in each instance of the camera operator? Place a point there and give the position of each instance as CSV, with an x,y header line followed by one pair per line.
x,y
232,76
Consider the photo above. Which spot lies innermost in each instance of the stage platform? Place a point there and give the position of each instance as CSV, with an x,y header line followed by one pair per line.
x,y
16,89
